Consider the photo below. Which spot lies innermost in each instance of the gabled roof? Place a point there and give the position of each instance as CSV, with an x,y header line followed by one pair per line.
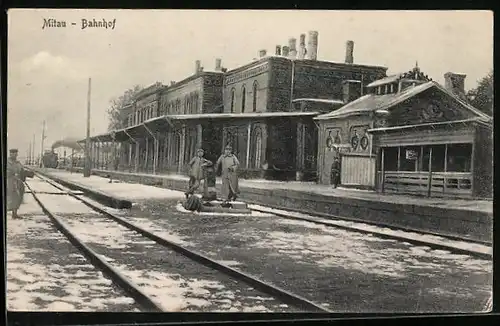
x,y
414,75
385,80
373,102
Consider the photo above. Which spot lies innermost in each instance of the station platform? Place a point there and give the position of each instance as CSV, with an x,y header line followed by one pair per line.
x,y
472,219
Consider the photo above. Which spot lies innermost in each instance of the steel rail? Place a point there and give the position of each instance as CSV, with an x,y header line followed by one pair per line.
x,y
118,278
384,235
387,236
377,224
371,223
278,293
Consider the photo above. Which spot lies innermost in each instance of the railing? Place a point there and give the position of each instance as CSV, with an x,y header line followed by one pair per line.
x,y
448,183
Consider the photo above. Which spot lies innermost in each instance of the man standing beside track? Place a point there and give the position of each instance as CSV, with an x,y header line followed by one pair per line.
x,y
15,183
335,173
196,166
229,164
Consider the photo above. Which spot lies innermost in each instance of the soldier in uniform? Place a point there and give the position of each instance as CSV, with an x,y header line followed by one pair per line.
x,y
229,164
335,177
15,183
196,166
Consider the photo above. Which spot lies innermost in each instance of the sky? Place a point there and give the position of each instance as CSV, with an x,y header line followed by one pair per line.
x,y
48,69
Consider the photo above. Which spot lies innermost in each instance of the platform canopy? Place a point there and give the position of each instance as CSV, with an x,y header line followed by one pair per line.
x,y
175,122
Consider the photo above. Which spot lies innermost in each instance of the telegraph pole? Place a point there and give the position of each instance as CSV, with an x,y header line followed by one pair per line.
x,y
86,170
29,154
33,151
43,138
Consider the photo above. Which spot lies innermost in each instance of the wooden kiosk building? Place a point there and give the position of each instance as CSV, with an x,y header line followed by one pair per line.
x,y
409,134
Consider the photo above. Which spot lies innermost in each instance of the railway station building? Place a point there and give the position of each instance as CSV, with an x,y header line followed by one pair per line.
x,y
261,108
287,115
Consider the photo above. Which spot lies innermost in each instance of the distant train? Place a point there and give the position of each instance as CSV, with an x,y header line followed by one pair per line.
x,y
50,159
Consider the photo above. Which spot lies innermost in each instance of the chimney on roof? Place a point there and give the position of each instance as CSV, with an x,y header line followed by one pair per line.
x,y
312,45
302,46
349,52
351,90
262,53
455,83
218,64
292,44
197,66
278,50
286,51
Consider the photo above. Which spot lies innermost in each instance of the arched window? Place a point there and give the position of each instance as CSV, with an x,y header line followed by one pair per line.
x,y
195,103
258,148
254,92
243,98
232,100
186,104
178,106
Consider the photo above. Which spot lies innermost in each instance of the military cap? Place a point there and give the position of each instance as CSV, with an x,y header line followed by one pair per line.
x,y
13,150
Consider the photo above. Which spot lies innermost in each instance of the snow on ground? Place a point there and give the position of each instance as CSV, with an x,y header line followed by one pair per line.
x,y
159,231
124,190
171,291
38,185
43,274
386,231
181,209
230,263
311,187
333,247
29,206
59,204
144,223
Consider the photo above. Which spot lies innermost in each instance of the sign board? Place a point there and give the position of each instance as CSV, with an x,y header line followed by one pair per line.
x,y
411,154
342,148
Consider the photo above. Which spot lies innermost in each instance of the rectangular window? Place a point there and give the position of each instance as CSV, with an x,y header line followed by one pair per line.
x,y
459,158
437,164
408,158
390,159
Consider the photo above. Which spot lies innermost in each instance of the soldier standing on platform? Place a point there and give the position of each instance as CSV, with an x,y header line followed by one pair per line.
x,y
15,185
335,177
229,164
196,166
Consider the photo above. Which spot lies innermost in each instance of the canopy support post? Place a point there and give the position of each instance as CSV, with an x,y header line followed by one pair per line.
x,y
155,146
249,133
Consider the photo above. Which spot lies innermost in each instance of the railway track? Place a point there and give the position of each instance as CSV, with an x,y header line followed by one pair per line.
x,y
134,290
454,244
434,240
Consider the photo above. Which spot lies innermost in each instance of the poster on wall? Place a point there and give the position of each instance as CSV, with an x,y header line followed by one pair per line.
x,y
359,139
411,154
333,138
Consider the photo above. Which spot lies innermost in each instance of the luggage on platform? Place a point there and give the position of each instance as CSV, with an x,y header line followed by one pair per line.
x,y
193,203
